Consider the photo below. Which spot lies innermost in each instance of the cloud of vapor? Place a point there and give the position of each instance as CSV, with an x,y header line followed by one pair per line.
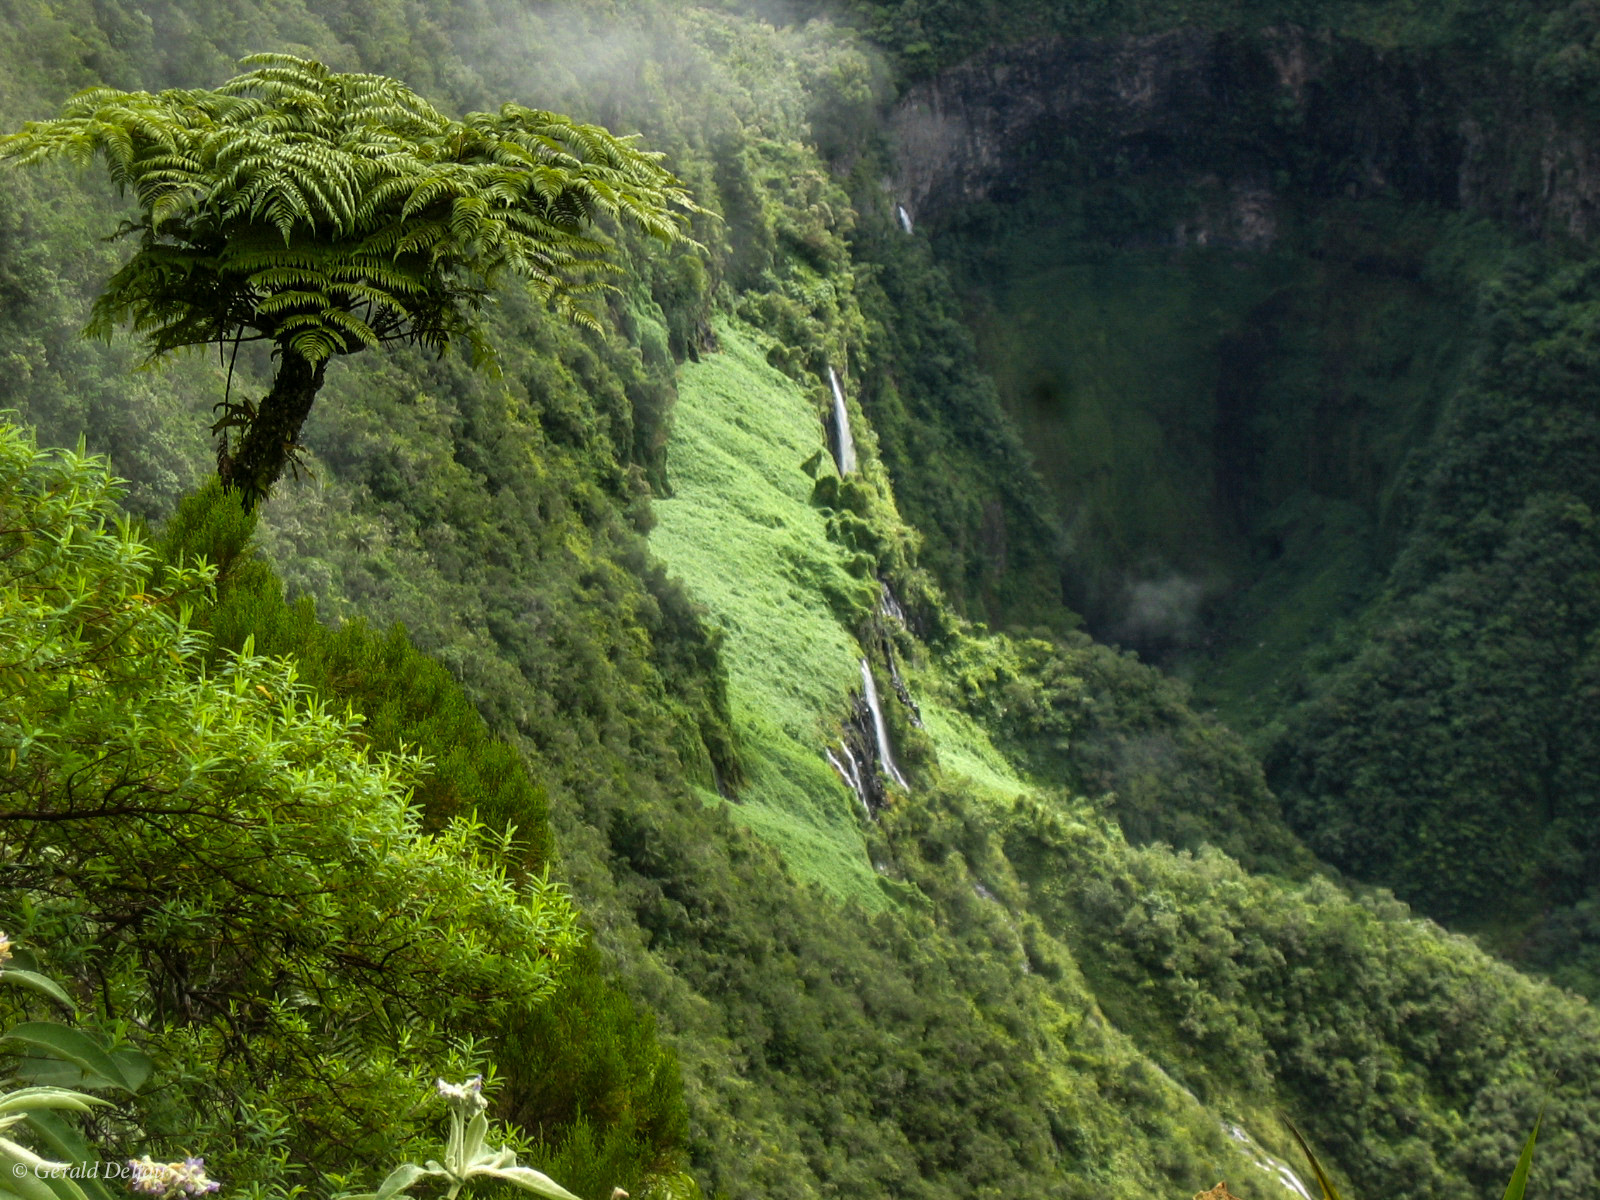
x,y
653,67
1164,610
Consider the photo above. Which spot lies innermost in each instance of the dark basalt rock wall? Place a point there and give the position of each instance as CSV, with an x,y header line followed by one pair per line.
x,y
1244,119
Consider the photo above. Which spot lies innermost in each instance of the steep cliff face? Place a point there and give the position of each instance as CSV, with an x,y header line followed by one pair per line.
x,y
1245,119
1219,277
1298,330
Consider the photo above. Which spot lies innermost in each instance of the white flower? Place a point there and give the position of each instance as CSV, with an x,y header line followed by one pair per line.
x,y
171,1180
461,1091
464,1097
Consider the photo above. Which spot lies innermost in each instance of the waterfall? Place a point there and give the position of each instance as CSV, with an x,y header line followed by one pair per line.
x,y
850,771
1286,1176
879,729
890,606
841,426
905,217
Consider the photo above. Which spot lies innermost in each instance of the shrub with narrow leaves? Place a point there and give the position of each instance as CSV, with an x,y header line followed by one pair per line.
x,y
246,881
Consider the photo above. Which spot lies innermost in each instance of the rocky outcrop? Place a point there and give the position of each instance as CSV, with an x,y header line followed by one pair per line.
x,y
1240,121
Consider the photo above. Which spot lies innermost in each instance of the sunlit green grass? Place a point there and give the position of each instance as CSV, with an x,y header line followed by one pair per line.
x,y
740,530
966,752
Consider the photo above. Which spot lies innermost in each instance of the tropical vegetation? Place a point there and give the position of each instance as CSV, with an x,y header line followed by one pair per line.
x,y
327,212
499,745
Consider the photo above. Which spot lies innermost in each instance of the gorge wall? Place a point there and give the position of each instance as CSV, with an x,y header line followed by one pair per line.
x,y
1247,118
1293,327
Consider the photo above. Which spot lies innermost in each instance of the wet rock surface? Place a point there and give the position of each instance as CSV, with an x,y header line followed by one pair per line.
x,y
1245,120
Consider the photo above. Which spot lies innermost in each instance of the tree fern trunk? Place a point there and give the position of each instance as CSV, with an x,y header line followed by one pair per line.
x,y
269,441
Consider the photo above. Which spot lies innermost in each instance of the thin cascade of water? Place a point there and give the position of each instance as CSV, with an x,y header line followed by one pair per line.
x,y
1286,1176
841,426
900,688
856,773
850,771
879,729
890,606
905,217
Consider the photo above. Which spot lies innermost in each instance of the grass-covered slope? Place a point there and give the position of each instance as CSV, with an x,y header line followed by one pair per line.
x,y
1252,993
739,528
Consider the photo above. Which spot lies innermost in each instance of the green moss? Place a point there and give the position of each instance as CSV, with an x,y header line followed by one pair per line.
x,y
966,753
740,530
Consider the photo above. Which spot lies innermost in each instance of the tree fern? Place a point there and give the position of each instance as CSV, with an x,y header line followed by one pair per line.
x,y
329,212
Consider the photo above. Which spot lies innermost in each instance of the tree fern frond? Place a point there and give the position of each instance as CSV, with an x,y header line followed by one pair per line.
x,y
422,236
302,305
331,211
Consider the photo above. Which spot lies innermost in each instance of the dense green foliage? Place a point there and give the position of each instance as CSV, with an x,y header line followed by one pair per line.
x,y
984,987
328,212
1364,1016
583,1072
1080,714
215,855
1478,656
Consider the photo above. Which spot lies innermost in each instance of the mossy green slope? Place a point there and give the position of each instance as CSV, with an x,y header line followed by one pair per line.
x,y
740,530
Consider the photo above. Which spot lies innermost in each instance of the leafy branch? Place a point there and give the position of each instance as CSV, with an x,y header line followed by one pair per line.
x,y
467,1155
